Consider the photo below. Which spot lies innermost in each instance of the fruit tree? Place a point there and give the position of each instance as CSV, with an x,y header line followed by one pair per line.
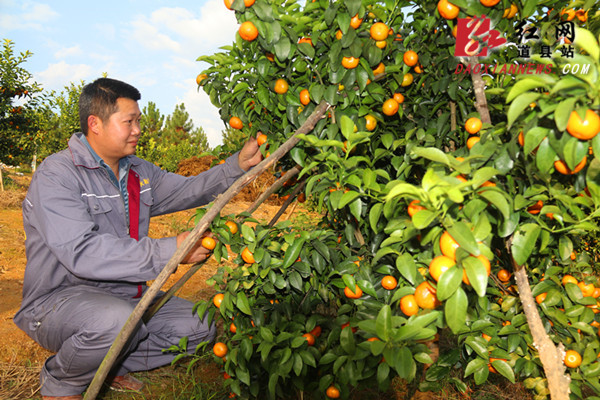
x,y
454,190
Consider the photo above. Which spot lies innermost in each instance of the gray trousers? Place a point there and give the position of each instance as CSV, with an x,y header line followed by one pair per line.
x,y
84,322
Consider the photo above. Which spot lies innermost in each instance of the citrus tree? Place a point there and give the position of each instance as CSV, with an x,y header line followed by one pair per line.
x,y
457,194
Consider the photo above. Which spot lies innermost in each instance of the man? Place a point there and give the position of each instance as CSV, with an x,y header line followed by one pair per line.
x,y
86,217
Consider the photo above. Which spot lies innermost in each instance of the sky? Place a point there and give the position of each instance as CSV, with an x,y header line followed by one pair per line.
x,y
151,44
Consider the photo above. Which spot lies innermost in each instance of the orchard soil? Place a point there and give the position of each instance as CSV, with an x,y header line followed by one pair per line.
x,y
21,358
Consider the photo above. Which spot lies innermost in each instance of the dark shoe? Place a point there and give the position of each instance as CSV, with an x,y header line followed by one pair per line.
x,y
75,397
126,383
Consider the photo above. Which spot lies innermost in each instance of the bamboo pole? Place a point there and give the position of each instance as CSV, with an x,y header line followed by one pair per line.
x,y
133,321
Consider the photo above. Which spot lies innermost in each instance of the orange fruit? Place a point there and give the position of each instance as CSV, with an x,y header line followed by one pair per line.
x,y
309,338
486,337
381,44
355,21
371,122
350,62
249,3
510,12
232,328
486,264
248,31
414,208
521,139
407,79
448,245
568,279
439,265
270,56
473,125
535,209
220,349
390,107
236,123
228,3
208,243
332,392
247,256
587,289
233,228
261,139
541,297
379,31
491,367
472,141
408,305
380,69
410,58
425,296
353,294
562,167
218,299
572,359
304,97
584,129
281,86
447,10
316,332
305,40
503,275
389,282
200,78
339,35
489,3
399,97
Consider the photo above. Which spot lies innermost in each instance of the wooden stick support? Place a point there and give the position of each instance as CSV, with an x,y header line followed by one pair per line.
x,y
132,322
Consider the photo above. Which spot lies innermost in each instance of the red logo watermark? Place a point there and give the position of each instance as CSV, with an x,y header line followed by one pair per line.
x,y
475,37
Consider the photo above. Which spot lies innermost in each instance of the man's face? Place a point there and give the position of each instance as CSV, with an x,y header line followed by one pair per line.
x,y
119,135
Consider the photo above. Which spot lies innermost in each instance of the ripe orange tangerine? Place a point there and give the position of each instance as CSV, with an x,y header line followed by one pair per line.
x,y
309,338
562,167
304,97
410,58
261,139
390,107
569,279
425,295
379,31
350,62
353,294
380,69
407,79
249,3
541,297
305,40
228,3
355,22
218,299
536,208
232,328
208,243
389,282
587,289
381,44
486,264
472,141
370,122
584,129
572,359
503,275
489,3
316,332
248,31
473,125
281,86
233,228
408,305
448,245
414,208
236,123
220,349
439,265
447,10
333,392
247,256
200,78
399,97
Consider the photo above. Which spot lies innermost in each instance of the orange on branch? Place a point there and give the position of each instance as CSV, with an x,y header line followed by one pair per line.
x,y
408,305
310,339
399,97
332,392
304,97
414,207
489,3
248,31
233,227
410,58
353,294
426,297
389,282
370,122
407,79
236,123
208,243
390,107
247,256
379,31
218,299
473,125
380,69
447,10
448,245
572,359
503,275
583,129
220,349
355,21
261,139
281,86
350,62
439,265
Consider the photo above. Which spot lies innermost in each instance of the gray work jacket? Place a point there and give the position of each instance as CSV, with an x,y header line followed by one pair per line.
x,y
77,232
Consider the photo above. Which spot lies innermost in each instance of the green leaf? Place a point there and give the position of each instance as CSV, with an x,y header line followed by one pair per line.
x,y
384,323
518,105
544,158
524,85
504,369
283,48
449,282
456,309
586,40
464,236
477,274
524,242
563,112
497,200
431,153
243,304
292,253
347,341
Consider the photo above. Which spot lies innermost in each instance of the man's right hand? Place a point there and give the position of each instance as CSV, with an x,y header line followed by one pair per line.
x,y
197,253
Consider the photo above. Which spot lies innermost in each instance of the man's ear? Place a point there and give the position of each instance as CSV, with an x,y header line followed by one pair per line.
x,y
94,123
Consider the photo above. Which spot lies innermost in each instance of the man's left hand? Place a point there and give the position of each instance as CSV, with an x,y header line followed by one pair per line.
x,y
249,155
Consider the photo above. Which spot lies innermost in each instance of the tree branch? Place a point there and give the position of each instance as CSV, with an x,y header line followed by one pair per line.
x,y
133,321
